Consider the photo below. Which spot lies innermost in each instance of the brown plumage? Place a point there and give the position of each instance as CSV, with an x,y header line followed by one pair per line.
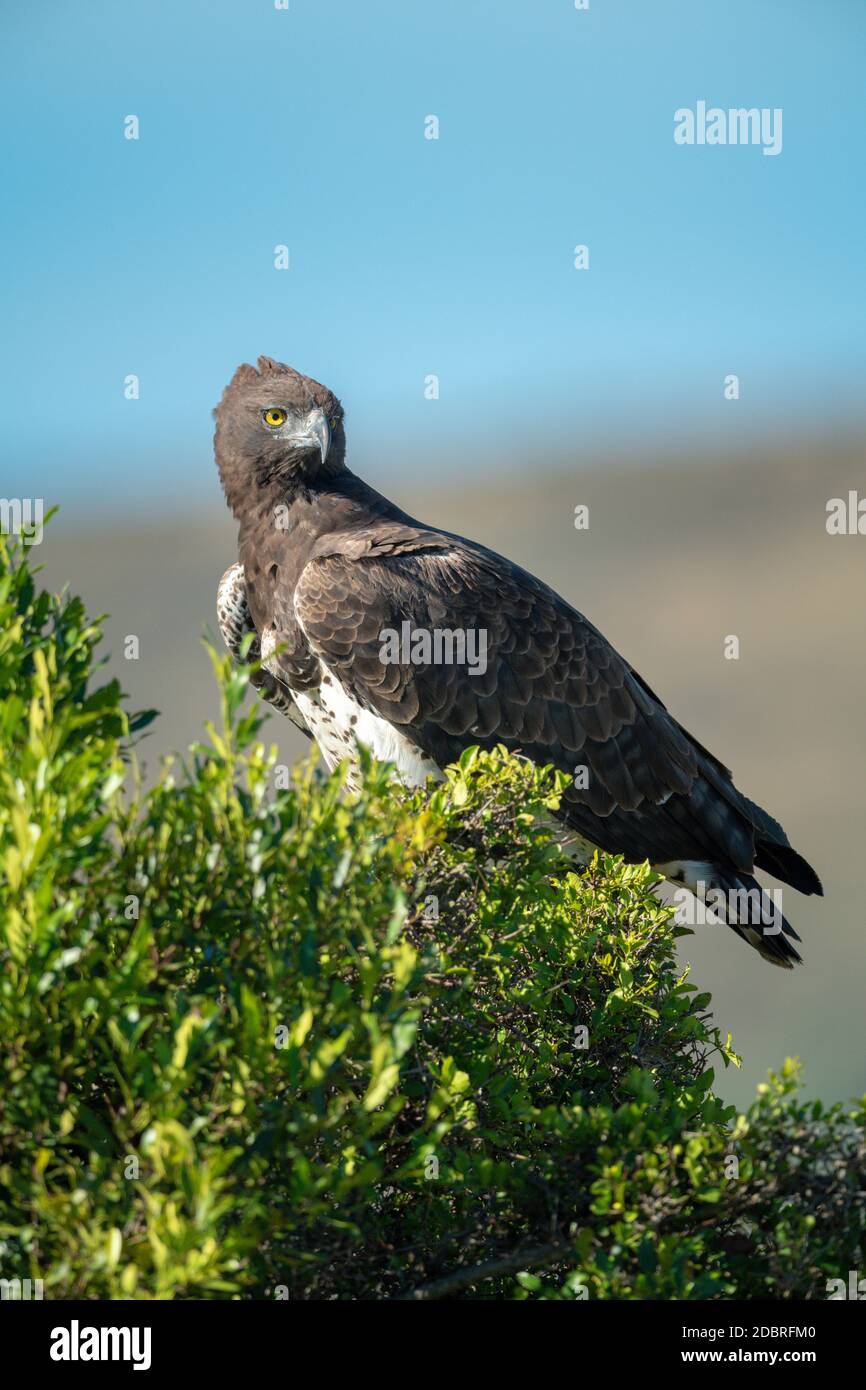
x,y
326,565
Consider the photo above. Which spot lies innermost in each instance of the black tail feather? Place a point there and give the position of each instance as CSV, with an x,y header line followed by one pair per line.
x,y
743,900
786,864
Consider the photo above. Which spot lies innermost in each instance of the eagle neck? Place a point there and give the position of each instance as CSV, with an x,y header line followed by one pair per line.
x,y
303,511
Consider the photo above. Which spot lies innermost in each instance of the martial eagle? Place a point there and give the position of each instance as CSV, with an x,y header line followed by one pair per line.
x,y
336,583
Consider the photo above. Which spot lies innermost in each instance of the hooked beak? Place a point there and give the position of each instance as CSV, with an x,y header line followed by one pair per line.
x,y
315,434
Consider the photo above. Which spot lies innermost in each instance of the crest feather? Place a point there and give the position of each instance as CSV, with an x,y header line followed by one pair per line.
x,y
270,364
243,374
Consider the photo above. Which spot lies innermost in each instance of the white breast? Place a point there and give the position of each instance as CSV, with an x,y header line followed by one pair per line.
x,y
339,724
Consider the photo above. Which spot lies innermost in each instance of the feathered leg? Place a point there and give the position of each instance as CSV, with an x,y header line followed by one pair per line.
x,y
233,616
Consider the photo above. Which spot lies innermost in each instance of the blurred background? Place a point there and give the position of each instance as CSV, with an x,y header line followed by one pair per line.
x,y
410,258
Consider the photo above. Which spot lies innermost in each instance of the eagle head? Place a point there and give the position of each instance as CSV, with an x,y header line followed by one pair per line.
x,y
273,426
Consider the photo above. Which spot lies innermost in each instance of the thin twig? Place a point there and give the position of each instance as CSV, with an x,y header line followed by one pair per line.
x,y
533,1257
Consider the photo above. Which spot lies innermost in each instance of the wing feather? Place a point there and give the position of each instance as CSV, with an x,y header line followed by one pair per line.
x,y
554,688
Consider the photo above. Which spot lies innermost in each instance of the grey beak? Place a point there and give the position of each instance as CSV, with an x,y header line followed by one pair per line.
x,y
316,433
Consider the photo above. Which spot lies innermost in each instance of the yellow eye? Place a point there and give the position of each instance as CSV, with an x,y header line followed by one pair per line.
x,y
274,417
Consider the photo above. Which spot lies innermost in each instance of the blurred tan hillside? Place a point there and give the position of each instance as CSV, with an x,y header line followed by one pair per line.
x,y
676,558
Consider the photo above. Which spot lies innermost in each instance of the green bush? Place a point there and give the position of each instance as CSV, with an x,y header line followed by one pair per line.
x,y
277,1041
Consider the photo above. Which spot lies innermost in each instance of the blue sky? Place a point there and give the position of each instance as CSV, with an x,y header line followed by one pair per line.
x,y
411,256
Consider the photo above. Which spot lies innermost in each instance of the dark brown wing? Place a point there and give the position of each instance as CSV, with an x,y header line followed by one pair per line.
x,y
553,689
